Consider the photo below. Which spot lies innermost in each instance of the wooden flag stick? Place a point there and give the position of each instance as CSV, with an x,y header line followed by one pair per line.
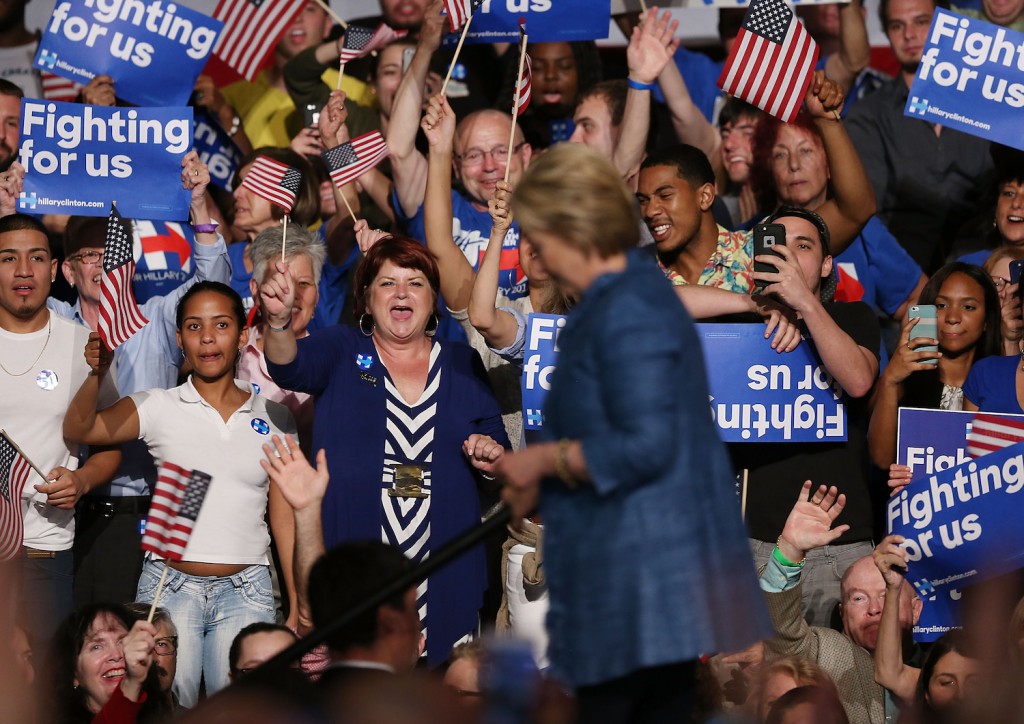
x,y
156,596
348,206
341,74
515,107
284,235
22,453
743,496
455,58
337,18
643,7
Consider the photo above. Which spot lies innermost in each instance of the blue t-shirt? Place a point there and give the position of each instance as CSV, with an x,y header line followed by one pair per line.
x,y
471,230
876,270
992,384
977,258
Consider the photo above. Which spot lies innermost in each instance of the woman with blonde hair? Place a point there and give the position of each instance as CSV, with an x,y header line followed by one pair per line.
x,y
637,488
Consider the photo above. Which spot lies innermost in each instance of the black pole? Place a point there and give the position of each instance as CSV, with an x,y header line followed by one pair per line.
x,y
439,558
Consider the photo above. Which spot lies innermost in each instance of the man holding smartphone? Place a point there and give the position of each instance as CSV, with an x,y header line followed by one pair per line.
x,y
847,340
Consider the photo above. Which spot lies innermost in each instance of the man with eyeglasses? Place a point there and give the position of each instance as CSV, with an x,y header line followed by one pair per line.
x,y
166,648
110,519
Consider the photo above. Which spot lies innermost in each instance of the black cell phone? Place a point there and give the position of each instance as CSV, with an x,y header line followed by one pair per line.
x,y
1015,267
766,238
312,114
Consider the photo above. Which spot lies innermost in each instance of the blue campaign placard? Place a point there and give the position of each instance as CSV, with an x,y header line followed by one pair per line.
x,y
539,357
153,50
547,21
216,149
962,525
79,158
970,78
929,441
759,395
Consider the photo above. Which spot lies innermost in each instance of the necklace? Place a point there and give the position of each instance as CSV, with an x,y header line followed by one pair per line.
x,y
49,328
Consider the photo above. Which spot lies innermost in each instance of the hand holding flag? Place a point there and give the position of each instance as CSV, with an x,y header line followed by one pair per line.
x,y
771,61
120,317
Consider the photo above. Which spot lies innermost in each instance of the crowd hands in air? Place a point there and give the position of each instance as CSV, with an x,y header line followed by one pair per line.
x,y
351,328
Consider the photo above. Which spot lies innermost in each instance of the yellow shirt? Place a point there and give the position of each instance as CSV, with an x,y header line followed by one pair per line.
x,y
264,109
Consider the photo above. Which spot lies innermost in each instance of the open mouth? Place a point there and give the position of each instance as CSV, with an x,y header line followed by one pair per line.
x,y
24,290
552,98
659,231
401,313
114,674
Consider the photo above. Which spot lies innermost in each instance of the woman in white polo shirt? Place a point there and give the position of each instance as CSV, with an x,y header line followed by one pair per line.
x,y
215,424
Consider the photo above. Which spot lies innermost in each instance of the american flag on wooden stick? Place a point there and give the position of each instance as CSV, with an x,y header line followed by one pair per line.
x,y
14,473
120,316
772,60
274,181
360,41
460,11
351,160
524,86
990,433
252,29
177,498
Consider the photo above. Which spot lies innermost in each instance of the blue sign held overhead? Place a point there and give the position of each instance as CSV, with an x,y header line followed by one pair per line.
x,y
80,158
970,79
547,21
216,149
153,50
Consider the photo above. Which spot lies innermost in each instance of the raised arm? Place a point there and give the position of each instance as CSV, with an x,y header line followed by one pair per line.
x,y
408,167
890,671
853,367
334,132
303,489
854,200
277,296
82,423
651,47
498,328
689,123
456,272
906,360
854,50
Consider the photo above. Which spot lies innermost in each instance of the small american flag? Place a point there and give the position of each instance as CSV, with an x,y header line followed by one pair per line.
x,y
460,11
177,498
993,432
56,88
360,41
350,160
14,472
274,181
120,316
525,82
251,31
771,61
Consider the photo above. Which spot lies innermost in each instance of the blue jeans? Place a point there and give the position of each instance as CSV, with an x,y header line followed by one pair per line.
x,y
208,612
821,576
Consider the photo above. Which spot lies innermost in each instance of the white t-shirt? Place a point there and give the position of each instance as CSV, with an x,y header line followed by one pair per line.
x,y
179,426
32,406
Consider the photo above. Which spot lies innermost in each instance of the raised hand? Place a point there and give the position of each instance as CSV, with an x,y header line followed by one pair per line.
x,y
301,485
810,522
651,46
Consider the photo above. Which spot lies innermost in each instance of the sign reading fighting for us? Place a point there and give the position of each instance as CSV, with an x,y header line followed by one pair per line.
x,y
153,50
962,524
971,78
80,158
757,395
497,21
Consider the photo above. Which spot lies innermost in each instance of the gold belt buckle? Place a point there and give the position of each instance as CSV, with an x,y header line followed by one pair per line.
x,y
408,482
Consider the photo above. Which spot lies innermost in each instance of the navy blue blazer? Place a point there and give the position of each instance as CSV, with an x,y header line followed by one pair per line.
x,y
341,368
647,564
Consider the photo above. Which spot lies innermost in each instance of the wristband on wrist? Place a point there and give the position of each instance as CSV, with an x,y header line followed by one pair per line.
x,y
782,560
637,85
287,324
206,228
562,465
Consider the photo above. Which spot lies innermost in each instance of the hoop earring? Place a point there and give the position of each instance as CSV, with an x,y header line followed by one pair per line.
x,y
431,329
362,324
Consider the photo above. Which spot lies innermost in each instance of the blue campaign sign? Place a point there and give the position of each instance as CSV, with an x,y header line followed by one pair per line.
x,y
758,395
969,78
80,158
962,524
539,356
929,441
153,50
216,149
497,21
